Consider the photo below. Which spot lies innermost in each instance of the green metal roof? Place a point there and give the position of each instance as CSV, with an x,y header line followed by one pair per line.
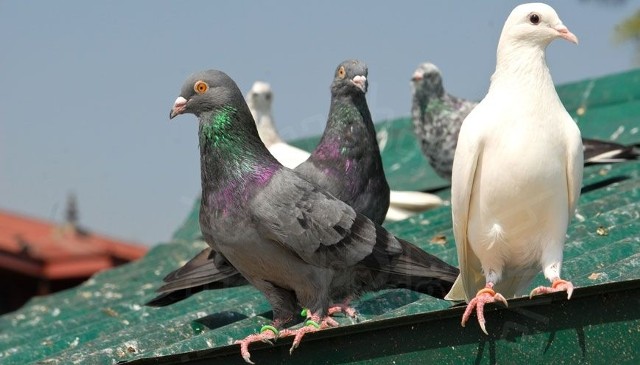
x,y
104,320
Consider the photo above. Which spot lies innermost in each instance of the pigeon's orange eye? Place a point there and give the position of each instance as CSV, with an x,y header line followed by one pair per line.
x,y
534,19
341,72
200,87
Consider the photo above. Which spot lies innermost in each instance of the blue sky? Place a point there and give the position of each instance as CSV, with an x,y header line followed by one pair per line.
x,y
86,87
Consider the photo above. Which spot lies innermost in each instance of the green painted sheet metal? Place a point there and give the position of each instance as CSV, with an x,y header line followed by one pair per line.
x,y
537,331
104,321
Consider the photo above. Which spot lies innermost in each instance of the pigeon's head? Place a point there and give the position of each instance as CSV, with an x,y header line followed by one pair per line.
x,y
535,24
260,97
427,81
206,91
351,76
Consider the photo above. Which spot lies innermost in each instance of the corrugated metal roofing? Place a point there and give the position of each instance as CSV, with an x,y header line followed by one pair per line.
x,y
104,321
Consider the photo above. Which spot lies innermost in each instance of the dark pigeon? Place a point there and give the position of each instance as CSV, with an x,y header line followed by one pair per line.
x,y
298,244
347,160
346,163
437,118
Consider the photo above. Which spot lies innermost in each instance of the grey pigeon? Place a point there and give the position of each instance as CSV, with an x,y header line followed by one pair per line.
x,y
296,243
346,163
402,204
438,115
517,171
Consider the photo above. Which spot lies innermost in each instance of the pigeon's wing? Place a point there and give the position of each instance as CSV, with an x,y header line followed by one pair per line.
x,y
597,151
575,161
317,227
467,155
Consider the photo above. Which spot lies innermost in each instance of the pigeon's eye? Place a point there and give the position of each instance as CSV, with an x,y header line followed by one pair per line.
x,y
534,18
200,87
341,72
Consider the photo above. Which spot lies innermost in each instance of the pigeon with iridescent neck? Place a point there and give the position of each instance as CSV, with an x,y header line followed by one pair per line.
x,y
517,171
296,243
402,204
346,163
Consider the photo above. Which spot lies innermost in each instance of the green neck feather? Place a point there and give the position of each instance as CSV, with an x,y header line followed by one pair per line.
x,y
216,129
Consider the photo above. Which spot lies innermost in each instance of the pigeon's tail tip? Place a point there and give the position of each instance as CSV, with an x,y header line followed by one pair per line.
x,y
425,273
162,300
168,297
428,284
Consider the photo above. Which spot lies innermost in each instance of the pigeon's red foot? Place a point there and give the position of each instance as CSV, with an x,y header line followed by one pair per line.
x,y
344,307
484,296
313,324
267,334
556,286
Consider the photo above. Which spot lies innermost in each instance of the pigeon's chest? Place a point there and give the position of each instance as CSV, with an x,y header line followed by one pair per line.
x,y
521,180
526,152
221,211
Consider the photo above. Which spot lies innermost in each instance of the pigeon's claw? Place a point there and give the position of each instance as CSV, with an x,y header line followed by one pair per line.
x,y
500,298
557,285
484,296
267,334
343,307
313,324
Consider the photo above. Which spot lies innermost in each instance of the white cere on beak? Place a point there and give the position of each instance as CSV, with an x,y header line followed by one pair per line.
x,y
178,107
180,102
360,81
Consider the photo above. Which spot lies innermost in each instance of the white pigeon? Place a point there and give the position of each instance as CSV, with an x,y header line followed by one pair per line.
x,y
403,204
517,171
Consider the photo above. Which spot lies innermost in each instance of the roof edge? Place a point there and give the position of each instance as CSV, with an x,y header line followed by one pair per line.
x,y
437,330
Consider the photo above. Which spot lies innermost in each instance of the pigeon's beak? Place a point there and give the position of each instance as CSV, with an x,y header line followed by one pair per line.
x,y
566,34
361,82
417,76
178,107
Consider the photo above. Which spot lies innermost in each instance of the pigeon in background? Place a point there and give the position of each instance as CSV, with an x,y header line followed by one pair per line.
x,y
438,115
260,98
517,171
347,161
296,243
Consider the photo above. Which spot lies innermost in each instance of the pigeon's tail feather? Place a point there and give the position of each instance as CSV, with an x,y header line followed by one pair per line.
x,y
175,296
200,273
420,271
596,151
